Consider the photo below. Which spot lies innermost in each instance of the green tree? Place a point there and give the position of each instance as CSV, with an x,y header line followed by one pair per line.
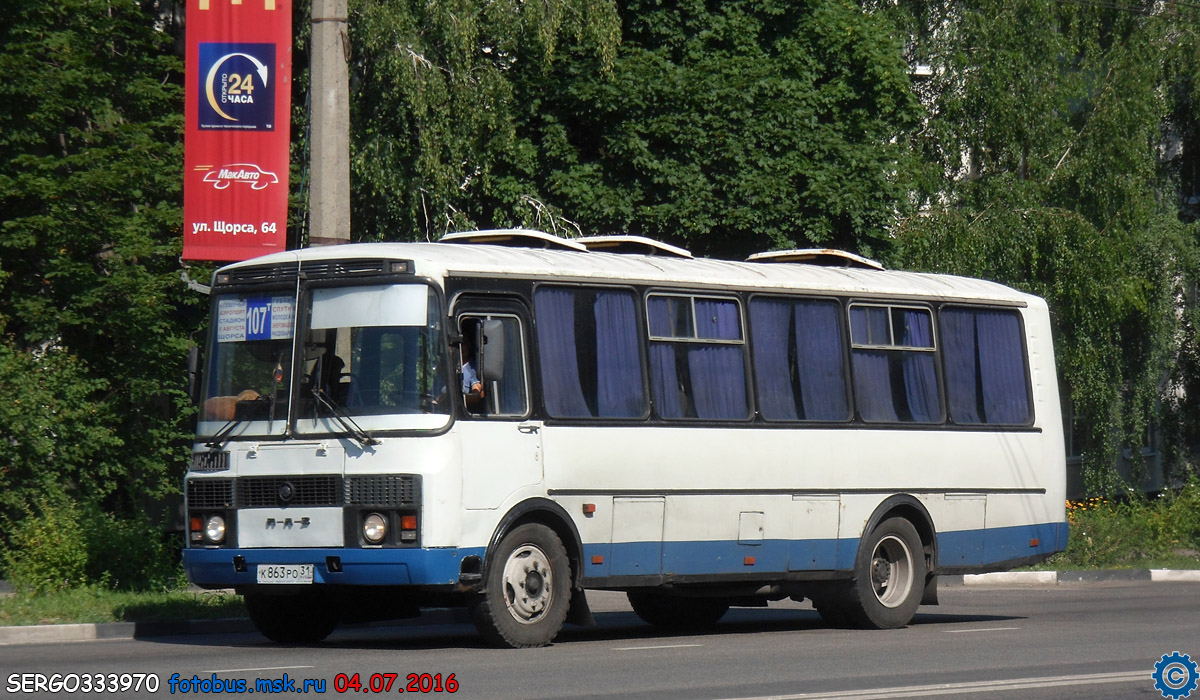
x,y
96,322
734,127
435,113
1045,127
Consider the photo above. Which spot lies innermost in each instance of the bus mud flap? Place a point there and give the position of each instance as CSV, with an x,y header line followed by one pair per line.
x,y
579,613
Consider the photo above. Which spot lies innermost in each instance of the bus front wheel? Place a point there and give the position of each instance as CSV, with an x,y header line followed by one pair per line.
x,y
306,618
527,591
889,577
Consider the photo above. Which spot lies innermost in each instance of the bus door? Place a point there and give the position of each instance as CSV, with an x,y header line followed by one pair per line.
x,y
501,445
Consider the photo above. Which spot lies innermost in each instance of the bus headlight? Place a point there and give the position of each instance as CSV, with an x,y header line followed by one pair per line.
x,y
374,528
214,529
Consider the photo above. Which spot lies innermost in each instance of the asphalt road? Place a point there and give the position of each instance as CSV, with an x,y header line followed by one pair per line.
x,y
1095,640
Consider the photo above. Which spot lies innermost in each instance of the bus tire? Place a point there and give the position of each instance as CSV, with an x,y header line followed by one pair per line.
x,y
677,612
528,589
306,618
889,577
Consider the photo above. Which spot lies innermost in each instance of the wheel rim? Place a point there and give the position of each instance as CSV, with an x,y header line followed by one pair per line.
x,y
891,571
528,583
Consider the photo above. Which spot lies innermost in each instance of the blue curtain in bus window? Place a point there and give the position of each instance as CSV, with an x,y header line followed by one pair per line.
x,y
718,381
959,355
718,372
620,392
819,356
717,319
873,386
1002,368
920,373
872,377
556,345
769,321
665,381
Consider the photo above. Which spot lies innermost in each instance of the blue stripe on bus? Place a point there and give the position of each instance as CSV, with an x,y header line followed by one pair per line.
x,y
960,548
364,567
440,566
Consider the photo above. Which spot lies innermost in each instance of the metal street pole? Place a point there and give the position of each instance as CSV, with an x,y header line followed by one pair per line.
x,y
329,188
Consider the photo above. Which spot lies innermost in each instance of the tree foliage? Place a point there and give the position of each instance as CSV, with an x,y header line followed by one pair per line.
x,y
1045,134
95,322
735,127
1050,145
435,109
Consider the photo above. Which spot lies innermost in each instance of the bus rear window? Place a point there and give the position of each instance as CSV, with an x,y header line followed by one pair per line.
x,y
985,367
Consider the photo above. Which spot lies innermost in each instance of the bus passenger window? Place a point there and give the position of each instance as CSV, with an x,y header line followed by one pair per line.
x,y
895,374
798,359
985,366
697,357
589,350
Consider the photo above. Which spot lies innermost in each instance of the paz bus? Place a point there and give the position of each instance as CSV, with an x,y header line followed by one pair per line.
x,y
697,433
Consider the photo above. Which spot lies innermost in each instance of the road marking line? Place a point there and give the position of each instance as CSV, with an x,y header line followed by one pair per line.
x,y
663,646
265,668
983,629
918,691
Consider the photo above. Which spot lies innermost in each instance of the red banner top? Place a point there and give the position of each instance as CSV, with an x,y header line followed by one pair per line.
x,y
237,108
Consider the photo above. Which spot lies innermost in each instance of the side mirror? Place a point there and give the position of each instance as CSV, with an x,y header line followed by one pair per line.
x,y
491,350
193,374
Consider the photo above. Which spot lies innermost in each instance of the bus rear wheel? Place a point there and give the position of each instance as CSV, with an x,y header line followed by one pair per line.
x,y
528,589
889,577
305,618
677,612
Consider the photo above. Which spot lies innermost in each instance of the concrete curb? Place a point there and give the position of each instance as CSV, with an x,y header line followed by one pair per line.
x,y
57,634
1053,578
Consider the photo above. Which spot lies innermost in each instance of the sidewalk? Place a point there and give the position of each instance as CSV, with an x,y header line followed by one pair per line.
x,y
600,601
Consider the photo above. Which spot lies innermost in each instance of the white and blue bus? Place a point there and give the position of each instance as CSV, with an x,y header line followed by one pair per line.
x,y
697,433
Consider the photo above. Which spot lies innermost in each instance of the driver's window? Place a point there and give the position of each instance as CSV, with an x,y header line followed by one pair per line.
x,y
492,366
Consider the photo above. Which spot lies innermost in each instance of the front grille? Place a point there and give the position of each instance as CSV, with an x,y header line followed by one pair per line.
x,y
210,461
210,493
273,491
381,490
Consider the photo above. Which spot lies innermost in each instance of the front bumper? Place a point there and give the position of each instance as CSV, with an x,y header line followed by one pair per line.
x,y
230,568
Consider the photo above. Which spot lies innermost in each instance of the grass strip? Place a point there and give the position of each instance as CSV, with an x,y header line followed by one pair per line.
x,y
95,604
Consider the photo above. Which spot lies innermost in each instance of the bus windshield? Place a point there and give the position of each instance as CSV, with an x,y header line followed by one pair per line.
x,y
372,354
250,361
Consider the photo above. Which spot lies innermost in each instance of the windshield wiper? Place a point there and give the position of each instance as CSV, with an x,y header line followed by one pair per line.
x,y
222,436
343,418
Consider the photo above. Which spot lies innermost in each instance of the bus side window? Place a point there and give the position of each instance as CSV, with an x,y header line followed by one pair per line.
x,y
493,366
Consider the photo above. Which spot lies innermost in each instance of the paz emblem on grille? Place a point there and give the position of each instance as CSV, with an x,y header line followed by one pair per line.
x,y
286,491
